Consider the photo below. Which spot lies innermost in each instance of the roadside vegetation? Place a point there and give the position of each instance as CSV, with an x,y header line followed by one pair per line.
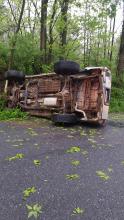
x,y
117,98
8,114
116,106
70,30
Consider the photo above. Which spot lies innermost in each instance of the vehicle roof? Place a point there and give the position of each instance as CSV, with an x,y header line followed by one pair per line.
x,y
39,75
52,74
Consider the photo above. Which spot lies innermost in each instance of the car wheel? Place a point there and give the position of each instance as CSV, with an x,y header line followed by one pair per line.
x,y
14,75
66,67
64,118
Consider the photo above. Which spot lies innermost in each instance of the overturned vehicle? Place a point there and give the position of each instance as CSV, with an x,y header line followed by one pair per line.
x,y
68,95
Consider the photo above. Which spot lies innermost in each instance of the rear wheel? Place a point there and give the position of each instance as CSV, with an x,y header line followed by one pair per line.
x,y
66,67
14,75
64,118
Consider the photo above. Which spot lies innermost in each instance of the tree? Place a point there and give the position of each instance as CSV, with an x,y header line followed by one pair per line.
x,y
16,35
59,29
43,33
120,66
51,26
64,21
113,15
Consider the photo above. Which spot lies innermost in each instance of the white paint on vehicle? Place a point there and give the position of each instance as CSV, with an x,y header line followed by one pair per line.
x,y
105,111
51,101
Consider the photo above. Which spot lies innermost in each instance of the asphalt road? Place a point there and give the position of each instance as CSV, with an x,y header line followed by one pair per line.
x,y
88,184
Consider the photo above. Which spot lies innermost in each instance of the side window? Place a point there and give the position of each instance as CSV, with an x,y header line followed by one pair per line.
x,y
107,74
107,95
107,87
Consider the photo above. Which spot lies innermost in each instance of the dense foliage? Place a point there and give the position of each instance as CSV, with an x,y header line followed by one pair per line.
x,y
36,33
90,33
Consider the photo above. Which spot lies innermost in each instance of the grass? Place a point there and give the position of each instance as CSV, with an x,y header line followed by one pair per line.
x,y
2,102
8,114
117,99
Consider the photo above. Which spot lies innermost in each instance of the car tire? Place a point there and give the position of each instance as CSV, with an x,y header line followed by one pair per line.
x,y
65,118
66,67
14,75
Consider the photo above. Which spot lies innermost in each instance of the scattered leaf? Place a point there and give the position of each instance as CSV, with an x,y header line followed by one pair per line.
x,y
78,211
74,149
84,152
75,162
110,169
17,156
102,175
72,176
27,192
34,210
37,162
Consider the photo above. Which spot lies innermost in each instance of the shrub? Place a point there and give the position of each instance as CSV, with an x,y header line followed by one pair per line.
x,y
117,100
2,102
7,114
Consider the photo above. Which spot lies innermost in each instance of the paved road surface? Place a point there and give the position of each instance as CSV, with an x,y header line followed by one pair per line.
x,y
100,197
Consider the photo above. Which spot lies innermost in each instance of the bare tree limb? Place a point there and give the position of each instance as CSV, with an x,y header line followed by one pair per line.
x,y
35,6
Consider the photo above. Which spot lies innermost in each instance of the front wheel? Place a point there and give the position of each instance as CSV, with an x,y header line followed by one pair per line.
x,y
64,118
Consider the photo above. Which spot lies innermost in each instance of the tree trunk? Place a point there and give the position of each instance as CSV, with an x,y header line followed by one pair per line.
x,y
113,37
29,16
109,41
36,10
98,48
43,33
105,37
15,36
51,32
35,19
64,11
63,32
85,32
120,67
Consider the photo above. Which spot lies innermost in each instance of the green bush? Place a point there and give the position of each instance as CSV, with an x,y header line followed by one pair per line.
x,y
3,57
2,102
8,114
117,100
